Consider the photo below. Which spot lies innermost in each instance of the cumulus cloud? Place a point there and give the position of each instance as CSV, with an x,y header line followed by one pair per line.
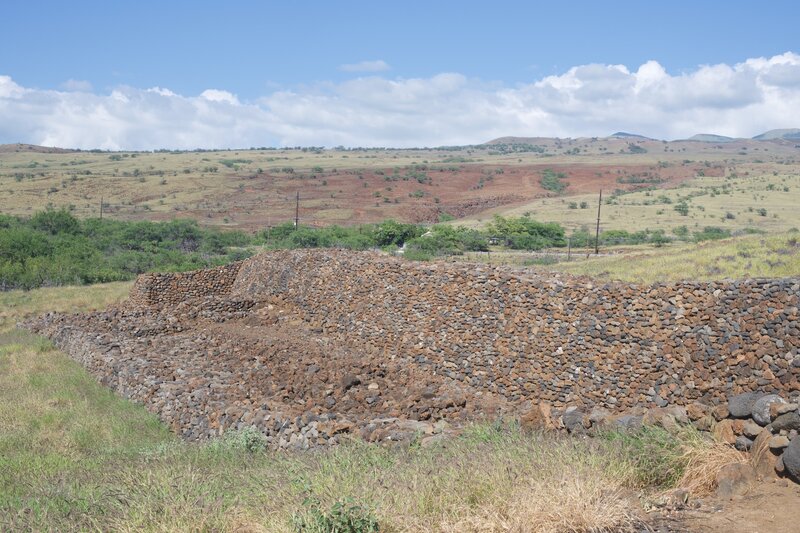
x,y
366,66
587,100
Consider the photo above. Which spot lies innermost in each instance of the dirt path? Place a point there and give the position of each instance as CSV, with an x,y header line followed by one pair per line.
x,y
767,508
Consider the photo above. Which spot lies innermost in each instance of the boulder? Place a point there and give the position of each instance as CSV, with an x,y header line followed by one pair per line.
x,y
777,409
723,431
667,417
697,410
762,457
536,417
629,422
735,480
751,429
575,421
791,458
741,405
761,408
778,442
720,412
786,422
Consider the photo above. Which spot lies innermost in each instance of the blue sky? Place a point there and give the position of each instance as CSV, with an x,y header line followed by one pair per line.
x,y
265,54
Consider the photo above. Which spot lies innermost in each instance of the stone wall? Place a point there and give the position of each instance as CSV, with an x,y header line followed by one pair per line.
x,y
159,289
561,340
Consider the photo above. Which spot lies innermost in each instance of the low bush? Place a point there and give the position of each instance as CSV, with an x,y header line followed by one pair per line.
x,y
54,248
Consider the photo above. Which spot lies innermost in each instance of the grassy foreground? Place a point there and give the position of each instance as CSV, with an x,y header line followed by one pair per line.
x,y
73,456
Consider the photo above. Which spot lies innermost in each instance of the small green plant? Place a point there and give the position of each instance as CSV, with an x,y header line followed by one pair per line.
x,y
248,439
654,454
344,516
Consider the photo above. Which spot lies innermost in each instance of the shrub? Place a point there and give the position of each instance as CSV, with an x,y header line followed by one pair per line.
x,y
711,233
54,221
552,181
344,516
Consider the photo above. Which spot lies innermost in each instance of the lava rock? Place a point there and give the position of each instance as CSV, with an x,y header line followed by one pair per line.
x,y
741,405
761,408
786,422
791,458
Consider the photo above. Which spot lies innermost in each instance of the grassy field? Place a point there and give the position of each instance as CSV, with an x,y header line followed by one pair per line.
x,y
73,456
757,256
760,200
760,256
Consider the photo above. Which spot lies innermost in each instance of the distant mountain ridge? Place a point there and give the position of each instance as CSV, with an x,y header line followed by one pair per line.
x,y
626,135
19,147
789,134
710,138
786,134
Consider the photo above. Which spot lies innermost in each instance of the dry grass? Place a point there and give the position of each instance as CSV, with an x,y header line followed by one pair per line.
x,y
577,502
17,305
704,461
741,257
708,205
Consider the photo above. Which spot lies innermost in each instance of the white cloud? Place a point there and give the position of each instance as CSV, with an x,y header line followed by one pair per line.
x,y
9,89
82,86
587,100
366,66
215,95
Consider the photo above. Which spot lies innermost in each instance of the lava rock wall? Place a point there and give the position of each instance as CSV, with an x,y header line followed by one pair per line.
x,y
159,289
547,338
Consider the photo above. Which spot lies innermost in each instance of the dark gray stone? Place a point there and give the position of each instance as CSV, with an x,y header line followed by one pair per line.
x,y
788,422
628,422
741,405
743,444
791,458
573,420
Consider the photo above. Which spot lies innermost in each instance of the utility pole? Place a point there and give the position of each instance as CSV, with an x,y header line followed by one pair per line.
x,y
597,233
569,249
297,212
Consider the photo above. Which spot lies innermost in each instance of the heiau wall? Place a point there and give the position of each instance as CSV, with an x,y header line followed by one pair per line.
x,y
157,289
561,340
